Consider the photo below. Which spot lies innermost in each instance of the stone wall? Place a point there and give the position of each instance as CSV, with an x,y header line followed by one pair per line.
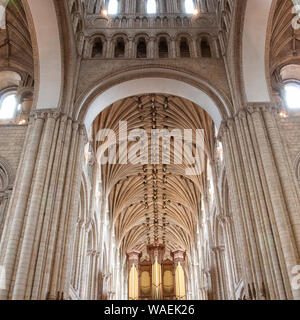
x,y
290,132
94,70
11,144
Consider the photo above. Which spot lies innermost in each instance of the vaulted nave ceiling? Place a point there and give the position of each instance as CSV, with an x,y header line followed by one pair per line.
x,y
154,203
15,41
285,40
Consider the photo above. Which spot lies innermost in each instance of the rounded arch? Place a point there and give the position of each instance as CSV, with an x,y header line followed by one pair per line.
x,y
42,18
151,80
122,40
93,50
6,176
254,50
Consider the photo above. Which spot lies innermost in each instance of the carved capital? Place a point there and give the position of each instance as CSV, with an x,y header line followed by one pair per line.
x,y
179,256
261,107
156,251
218,249
133,258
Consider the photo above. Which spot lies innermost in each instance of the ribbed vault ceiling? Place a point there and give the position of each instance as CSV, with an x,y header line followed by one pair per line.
x,y
15,41
285,40
154,203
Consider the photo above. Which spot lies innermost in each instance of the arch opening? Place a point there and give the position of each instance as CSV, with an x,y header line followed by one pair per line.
x,y
98,99
48,66
254,50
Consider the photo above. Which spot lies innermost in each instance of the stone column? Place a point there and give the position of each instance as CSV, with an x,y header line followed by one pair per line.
x,y
241,210
38,252
171,6
263,209
109,48
194,48
179,262
142,6
231,259
173,48
218,251
131,48
151,48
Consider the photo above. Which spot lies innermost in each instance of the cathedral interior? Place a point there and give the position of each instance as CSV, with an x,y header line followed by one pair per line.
x,y
149,150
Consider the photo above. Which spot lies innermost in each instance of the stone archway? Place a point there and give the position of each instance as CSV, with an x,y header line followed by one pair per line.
x,y
152,80
254,50
43,23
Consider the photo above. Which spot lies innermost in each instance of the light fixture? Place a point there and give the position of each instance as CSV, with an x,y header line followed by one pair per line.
x,y
292,95
104,12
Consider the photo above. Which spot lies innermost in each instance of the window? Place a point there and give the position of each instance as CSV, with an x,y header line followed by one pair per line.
x,y
141,51
184,48
190,7
163,49
97,51
205,49
113,7
8,107
292,95
151,6
120,48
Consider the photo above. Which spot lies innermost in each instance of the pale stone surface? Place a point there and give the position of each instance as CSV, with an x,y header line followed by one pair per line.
x,y
71,228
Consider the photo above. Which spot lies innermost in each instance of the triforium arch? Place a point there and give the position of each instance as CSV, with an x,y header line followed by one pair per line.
x,y
48,52
152,80
191,93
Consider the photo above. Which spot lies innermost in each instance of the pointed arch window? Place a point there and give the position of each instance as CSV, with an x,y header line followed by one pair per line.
x,y
292,95
190,6
113,7
151,6
8,106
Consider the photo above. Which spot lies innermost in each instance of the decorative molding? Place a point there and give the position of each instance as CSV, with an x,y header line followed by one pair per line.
x,y
242,113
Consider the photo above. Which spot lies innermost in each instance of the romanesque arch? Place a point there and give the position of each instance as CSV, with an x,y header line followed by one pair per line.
x,y
152,80
254,50
43,22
